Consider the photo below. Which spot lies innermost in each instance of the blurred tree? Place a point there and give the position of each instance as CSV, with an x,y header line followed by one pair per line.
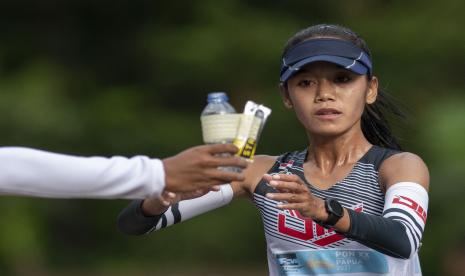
x,y
130,77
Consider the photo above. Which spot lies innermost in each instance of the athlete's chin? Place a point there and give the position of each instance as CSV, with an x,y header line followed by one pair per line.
x,y
329,131
328,134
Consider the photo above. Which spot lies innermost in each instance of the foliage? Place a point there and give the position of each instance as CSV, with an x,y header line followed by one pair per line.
x,y
130,77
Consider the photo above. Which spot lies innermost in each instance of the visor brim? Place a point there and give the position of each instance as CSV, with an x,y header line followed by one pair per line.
x,y
347,63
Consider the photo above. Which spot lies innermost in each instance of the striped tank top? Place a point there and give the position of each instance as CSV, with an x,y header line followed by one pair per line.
x,y
299,246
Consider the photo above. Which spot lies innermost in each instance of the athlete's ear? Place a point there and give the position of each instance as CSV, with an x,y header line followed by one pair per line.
x,y
285,94
372,92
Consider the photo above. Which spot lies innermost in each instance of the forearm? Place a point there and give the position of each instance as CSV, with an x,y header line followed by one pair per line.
x,y
371,231
32,172
133,221
382,234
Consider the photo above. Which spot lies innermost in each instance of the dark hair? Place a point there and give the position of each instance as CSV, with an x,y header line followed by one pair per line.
x,y
375,125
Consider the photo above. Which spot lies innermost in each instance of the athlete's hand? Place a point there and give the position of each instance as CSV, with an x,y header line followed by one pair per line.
x,y
197,168
293,194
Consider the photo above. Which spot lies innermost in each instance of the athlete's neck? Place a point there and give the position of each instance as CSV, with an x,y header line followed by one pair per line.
x,y
330,152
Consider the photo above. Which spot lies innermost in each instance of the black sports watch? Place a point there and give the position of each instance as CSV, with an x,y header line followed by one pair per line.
x,y
335,211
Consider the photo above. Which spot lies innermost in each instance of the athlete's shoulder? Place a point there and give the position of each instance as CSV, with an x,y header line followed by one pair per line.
x,y
261,164
376,156
253,174
404,167
283,157
404,161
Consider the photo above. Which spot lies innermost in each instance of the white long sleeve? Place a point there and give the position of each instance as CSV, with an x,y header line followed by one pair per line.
x,y
30,172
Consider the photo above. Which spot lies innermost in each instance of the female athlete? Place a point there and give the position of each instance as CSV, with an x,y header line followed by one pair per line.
x,y
350,203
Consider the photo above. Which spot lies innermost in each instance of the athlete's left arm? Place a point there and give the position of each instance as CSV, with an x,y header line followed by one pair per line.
x,y
405,179
397,232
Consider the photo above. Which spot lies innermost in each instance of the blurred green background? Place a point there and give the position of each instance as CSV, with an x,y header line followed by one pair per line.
x,y
131,77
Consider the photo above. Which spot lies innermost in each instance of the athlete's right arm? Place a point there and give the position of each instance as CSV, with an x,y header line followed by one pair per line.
x,y
144,216
137,220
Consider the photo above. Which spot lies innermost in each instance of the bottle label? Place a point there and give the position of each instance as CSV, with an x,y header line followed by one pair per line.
x,y
219,128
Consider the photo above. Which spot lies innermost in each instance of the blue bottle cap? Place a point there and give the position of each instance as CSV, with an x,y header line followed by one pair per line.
x,y
217,97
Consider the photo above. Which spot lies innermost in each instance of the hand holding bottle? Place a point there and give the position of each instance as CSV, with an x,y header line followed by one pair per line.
x,y
197,168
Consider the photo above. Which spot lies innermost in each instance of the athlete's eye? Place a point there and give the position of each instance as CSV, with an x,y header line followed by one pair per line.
x,y
305,83
343,78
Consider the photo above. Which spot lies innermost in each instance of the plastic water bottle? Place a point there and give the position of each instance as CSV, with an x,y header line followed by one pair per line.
x,y
219,122
219,119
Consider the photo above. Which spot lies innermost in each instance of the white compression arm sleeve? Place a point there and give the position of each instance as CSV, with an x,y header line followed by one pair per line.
x,y
407,202
398,232
132,221
188,209
31,172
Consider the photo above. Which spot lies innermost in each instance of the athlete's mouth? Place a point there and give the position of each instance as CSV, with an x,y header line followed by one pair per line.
x,y
327,111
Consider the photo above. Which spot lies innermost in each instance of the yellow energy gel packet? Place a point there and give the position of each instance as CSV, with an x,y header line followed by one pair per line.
x,y
250,127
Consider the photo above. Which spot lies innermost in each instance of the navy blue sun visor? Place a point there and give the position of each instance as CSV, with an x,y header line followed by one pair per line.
x,y
337,51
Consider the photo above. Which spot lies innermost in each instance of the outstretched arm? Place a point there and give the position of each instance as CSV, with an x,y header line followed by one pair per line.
x,y
30,172
143,216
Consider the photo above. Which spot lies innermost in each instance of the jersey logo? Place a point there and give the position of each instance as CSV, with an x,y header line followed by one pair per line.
x,y
286,165
403,200
307,229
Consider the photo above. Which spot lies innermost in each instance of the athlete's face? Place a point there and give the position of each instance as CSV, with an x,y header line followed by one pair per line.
x,y
328,99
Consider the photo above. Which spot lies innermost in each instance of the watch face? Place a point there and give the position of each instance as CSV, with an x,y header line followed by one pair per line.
x,y
336,207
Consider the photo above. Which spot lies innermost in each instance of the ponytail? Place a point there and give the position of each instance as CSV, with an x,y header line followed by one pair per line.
x,y
375,125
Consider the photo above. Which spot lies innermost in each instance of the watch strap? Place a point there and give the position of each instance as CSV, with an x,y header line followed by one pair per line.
x,y
333,217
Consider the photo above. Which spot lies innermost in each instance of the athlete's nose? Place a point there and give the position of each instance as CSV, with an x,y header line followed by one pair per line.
x,y
325,91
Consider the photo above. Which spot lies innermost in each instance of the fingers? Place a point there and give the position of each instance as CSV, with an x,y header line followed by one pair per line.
x,y
291,206
225,176
221,148
267,177
288,178
288,197
230,161
197,193
215,188
167,198
194,194
286,183
287,200
288,186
